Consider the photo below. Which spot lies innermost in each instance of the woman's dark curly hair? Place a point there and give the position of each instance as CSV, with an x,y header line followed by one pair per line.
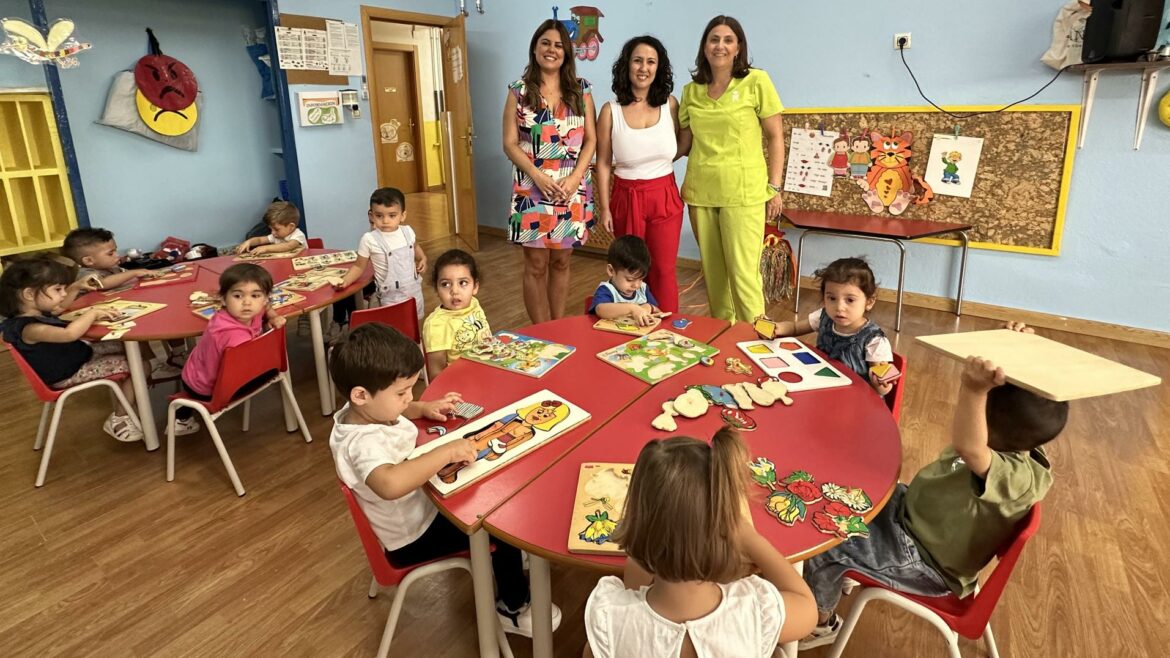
x,y
663,78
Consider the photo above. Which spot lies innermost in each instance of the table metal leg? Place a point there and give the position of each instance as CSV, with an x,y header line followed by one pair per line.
x,y
141,394
901,283
485,598
540,583
318,338
962,273
286,405
799,261
790,649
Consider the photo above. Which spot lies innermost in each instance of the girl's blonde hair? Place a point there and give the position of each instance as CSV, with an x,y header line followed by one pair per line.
x,y
684,508
560,412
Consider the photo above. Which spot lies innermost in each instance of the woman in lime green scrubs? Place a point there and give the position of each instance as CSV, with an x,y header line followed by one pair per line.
x,y
729,188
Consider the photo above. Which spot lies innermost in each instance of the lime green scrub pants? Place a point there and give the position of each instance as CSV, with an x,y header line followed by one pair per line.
x,y
731,240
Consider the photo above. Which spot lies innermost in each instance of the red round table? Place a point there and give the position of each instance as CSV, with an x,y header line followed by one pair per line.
x,y
844,435
582,379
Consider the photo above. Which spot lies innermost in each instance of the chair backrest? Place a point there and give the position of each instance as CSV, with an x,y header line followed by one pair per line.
x,y
588,303
42,390
245,362
403,316
974,620
315,243
383,571
894,397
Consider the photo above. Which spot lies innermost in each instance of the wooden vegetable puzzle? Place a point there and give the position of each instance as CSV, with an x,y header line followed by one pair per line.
x,y
657,356
792,362
597,507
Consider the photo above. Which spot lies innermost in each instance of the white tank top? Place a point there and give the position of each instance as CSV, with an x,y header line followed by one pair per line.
x,y
643,153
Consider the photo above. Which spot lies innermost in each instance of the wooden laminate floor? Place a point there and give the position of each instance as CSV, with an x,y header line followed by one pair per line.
x,y
109,559
426,212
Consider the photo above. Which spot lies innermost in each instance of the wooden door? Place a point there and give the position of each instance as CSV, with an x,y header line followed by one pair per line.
x,y
460,132
397,134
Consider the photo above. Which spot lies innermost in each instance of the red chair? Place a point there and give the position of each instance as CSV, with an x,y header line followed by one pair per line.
x,y
55,399
315,243
388,575
969,617
241,365
403,316
588,303
894,397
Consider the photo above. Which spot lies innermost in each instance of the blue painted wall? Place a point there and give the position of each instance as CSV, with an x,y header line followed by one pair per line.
x,y
138,188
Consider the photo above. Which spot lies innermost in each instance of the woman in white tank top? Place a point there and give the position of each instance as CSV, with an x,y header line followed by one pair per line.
x,y
637,143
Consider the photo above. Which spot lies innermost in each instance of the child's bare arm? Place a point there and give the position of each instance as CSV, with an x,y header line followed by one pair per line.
x,y
353,272
393,481
278,248
246,246
800,609
436,362
969,434
115,280
420,259
612,310
43,333
434,409
73,290
788,328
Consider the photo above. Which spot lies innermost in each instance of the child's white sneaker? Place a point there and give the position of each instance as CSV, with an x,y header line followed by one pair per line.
x,y
520,623
185,427
122,428
823,634
161,371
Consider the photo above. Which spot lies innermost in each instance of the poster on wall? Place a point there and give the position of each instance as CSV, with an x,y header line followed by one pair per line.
x,y
319,108
301,49
808,170
344,48
953,164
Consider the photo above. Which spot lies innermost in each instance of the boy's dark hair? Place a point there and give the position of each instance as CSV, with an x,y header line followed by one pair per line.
x,y
37,272
848,270
454,257
1019,420
373,356
662,84
629,253
80,239
281,213
388,196
244,273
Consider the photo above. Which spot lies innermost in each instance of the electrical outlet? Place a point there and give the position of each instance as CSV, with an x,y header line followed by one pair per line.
x,y
898,37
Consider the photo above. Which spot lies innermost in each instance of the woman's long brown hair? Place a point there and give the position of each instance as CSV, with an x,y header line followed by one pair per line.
x,y
570,88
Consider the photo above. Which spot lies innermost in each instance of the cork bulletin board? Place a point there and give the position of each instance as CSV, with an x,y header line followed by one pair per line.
x,y
301,77
1020,191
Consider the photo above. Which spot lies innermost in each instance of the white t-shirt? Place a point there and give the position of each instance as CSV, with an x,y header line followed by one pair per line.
x,y
296,236
877,350
747,623
357,451
372,248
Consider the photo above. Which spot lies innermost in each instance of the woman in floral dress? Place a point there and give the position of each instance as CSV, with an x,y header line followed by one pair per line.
x,y
549,136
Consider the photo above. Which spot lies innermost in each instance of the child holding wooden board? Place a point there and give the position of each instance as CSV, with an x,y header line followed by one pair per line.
x,y
626,294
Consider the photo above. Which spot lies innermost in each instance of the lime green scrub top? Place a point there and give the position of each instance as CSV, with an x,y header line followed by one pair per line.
x,y
726,164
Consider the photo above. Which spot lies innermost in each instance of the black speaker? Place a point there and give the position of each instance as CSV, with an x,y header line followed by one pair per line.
x,y
1121,29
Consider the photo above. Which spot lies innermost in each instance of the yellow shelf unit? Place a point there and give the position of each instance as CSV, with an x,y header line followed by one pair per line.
x,y
36,203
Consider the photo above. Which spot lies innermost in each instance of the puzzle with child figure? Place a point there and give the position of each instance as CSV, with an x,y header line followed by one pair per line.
x,y
792,362
515,352
323,260
313,279
597,507
126,310
503,436
657,356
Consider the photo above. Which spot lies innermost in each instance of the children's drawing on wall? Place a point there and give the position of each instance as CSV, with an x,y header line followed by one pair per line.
x,y
389,131
808,169
404,152
839,161
583,27
25,42
889,183
953,164
859,159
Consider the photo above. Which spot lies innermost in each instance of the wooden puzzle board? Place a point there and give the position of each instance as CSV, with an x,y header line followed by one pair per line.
x,y
597,507
626,326
1043,366
323,260
268,255
657,356
505,435
127,311
177,274
313,279
792,362
277,299
518,353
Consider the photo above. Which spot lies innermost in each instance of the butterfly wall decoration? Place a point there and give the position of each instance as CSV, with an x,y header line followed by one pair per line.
x,y
25,41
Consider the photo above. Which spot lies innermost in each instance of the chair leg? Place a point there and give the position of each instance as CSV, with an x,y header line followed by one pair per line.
x,y
374,587
247,415
223,455
849,625
48,450
392,619
40,440
502,640
992,650
127,407
171,442
286,387
953,646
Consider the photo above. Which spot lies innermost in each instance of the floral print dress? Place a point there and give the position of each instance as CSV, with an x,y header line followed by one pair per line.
x,y
552,139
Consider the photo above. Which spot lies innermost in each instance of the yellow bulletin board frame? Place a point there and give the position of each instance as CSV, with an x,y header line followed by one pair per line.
x,y
946,125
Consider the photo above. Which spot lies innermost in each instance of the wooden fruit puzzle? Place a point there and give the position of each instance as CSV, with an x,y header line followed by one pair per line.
x,y
792,362
657,356
127,311
597,507
518,353
324,260
503,436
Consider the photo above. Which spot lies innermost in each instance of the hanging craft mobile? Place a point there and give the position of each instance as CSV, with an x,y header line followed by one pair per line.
x,y
26,42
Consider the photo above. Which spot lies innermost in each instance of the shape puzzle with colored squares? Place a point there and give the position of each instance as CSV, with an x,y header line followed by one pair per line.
x,y
793,363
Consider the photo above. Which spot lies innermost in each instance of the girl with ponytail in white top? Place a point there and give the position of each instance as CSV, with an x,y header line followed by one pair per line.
x,y
690,587
637,142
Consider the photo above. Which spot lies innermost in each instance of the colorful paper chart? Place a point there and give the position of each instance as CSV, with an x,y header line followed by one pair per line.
x,y
518,353
503,436
792,362
657,356
597,507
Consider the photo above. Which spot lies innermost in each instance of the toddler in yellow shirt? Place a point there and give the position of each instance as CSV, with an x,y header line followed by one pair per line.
x,y
459,322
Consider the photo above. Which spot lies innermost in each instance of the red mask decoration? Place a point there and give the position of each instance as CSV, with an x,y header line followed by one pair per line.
x,y
164,80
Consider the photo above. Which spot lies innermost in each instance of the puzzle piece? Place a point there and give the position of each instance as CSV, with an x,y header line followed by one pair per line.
x,y
738,419
759,395
737,367
885,372
467,410
853,498
777,389
806,490
665,420
742,399
765,327
786,507
691,404
763,472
